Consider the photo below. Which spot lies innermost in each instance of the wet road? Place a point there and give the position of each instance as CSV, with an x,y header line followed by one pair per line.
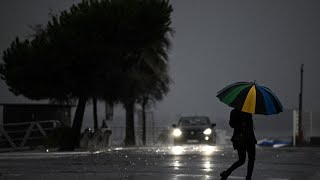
x,y
159,163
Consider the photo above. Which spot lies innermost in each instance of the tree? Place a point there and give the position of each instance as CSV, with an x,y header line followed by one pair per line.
x,y
65,59
93,50
156,79
156,88
95,114
147,55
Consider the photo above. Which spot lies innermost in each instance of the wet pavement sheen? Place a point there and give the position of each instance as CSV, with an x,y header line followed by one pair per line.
x,y
159,163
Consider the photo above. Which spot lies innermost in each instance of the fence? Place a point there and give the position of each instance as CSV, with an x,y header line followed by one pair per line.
x,y
19,135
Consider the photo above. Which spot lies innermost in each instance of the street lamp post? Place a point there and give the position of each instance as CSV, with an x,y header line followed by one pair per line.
x,y
300,130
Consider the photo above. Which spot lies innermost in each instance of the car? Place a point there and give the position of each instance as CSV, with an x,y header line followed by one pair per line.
x,y
194,130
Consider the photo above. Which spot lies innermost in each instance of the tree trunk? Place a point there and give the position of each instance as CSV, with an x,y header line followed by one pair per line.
x,y
130,135
144,128
73,141
108,111
95,113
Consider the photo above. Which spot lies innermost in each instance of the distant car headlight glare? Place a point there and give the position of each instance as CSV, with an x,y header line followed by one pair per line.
x,y
207,131
177,132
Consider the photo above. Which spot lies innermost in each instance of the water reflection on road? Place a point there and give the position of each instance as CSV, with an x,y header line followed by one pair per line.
x,y
196,162
191,149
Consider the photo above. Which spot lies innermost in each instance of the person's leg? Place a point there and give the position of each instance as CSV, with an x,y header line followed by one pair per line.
x,y
240,162
251,156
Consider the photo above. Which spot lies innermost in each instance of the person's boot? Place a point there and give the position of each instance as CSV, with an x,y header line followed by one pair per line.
x,y
248,178
224,175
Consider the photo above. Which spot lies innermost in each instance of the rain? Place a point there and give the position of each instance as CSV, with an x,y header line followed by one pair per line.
x,y
49,130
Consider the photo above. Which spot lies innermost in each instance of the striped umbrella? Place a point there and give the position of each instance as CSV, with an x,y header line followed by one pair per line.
x,y
251,98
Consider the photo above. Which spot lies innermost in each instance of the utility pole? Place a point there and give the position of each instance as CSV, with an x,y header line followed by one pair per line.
x,y
300,130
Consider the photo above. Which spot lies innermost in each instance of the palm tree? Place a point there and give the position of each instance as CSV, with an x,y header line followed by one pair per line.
x,y
144,54
156,88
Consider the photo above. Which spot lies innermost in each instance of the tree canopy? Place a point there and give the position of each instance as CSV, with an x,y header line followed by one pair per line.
x,y
97,48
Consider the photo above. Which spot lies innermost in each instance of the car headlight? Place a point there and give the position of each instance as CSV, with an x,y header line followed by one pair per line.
x,y
207,131
177,132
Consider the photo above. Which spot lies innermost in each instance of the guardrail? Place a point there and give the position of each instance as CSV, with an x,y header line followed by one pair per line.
x,y
17,134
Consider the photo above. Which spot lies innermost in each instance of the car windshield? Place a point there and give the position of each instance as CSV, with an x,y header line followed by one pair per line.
x,y
190,121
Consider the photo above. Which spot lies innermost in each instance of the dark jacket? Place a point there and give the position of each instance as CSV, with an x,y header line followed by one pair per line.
x,y
242,124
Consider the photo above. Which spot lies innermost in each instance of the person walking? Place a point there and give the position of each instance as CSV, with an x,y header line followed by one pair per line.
x,y
243,140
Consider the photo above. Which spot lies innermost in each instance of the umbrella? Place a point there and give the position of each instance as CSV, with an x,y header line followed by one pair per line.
x,y
251,98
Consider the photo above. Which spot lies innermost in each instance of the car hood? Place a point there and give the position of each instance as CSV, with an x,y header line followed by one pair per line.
x,y
194,128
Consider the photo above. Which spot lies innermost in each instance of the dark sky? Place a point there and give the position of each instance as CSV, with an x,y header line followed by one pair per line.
x,y
215,43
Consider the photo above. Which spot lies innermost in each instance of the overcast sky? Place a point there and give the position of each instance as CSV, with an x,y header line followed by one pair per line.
x,y
215,44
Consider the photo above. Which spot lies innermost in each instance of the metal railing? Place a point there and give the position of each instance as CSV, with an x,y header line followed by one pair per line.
x,y
17,138
18,134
